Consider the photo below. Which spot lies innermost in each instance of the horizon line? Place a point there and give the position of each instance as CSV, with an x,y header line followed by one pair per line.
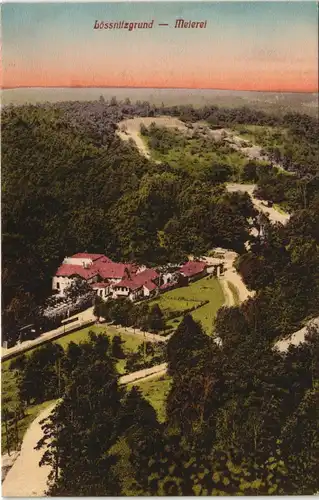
x,y
157,88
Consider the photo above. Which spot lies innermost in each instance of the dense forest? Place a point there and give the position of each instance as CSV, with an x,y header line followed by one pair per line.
x,y
241,417
70,184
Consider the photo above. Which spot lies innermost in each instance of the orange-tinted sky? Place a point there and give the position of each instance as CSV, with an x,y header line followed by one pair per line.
x,y
245,46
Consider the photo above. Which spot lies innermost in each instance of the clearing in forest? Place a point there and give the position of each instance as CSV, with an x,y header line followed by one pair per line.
x,y
206,295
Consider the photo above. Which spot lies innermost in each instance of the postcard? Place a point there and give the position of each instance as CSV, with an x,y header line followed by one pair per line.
x,y
160,248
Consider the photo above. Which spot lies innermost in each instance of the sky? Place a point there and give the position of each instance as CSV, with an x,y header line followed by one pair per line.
x,y
266,46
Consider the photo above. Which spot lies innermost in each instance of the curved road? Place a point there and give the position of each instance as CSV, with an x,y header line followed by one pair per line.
x,y
26,478
232,276
272,213
132,131
297,337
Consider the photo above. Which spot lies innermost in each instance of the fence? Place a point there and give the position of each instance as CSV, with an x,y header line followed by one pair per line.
x,y
40,341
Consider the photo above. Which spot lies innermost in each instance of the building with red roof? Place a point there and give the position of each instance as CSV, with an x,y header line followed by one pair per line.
x,y
86,259
85,266
112,270
194,269
67,273
102,289
136,285
106,277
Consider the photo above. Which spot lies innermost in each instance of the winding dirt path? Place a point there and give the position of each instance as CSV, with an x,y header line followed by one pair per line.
x,y
26,478
147,373
272,213
130,129
84,318
229,298
297,337
232,276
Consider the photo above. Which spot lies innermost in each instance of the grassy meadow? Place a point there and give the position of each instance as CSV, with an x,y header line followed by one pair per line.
x,y
262,135
198,155
195,293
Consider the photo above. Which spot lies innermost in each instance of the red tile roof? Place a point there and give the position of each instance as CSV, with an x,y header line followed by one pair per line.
x,y
192,268
146,275
111,270
144,278
150,286
74,270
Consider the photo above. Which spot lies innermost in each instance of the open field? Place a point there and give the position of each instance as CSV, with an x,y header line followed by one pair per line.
x,y
184,298
262,135
197,150
130,129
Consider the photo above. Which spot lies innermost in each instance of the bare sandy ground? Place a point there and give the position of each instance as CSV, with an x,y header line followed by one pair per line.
x,y
130,129
231,275
26,478
272,213
297,337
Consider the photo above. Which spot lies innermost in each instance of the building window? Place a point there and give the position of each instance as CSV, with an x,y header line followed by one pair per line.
x,y
58,285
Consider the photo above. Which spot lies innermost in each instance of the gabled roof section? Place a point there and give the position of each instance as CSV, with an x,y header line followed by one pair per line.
x,y
135,281
192,268
69,270
127,283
